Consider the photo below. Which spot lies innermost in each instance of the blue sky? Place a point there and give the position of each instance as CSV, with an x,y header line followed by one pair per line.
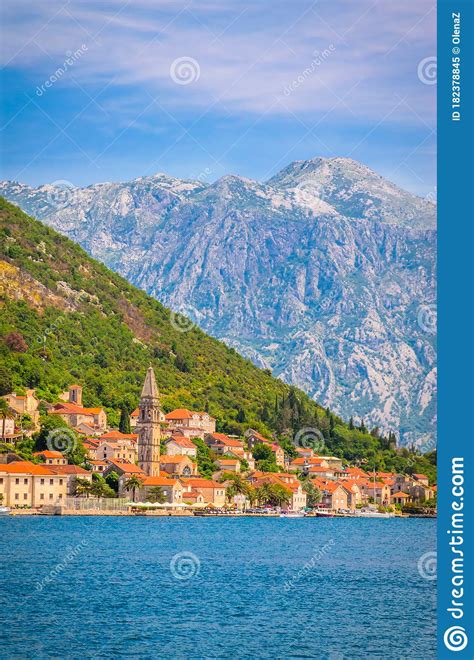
x,y
200,89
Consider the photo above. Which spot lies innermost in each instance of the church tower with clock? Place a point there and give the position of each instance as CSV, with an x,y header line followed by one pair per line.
x,y
148,426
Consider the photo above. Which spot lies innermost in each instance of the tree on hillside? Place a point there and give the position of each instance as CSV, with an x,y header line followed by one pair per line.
x,y
124,424
16,342
6,381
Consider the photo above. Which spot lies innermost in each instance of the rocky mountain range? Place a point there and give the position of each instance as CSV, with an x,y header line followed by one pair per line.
x,y
325,274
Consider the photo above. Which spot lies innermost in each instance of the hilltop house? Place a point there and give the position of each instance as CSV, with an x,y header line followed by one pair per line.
x,y
51,457
115,444
177,466
95,419
191,424
26,404
180,445
255,438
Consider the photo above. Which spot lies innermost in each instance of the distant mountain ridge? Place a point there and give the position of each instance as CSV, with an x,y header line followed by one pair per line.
x,y
319,274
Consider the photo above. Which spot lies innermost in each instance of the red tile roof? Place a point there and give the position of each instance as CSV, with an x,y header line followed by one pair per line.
x,y
118,435
47,453
159,481
200,482
179,413
68,469
181,441
25,467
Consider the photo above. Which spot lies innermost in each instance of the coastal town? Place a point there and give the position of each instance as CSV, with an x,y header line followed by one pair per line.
x,y
157,467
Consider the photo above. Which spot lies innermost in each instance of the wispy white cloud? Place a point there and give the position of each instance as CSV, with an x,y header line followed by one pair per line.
x,y
248,53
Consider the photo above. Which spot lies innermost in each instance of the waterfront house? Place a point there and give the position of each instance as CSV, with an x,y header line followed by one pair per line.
x,y
401,498
71,473
172,489
212,491
23,483
334,495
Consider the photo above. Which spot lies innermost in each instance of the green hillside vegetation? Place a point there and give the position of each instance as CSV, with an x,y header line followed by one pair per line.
x,y
67,318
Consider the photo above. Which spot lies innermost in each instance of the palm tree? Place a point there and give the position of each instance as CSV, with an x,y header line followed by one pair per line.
x,y
237,485
273,494
5,413
132,484
156,495
83,487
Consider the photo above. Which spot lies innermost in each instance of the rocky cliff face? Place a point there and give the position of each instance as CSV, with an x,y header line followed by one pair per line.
x,y
325,274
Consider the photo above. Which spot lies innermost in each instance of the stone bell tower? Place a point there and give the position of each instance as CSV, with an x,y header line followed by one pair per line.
x,y
148,426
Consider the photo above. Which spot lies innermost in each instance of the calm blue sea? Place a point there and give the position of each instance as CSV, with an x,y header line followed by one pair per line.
x,y
216,588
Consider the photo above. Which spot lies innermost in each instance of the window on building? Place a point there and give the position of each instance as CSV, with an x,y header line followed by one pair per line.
x,y
60,482
42,482
25,496
17,481
51,482
42,496
25,481
16,496
51,496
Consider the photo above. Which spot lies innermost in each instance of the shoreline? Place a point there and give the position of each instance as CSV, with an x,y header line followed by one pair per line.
x,y
182,514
